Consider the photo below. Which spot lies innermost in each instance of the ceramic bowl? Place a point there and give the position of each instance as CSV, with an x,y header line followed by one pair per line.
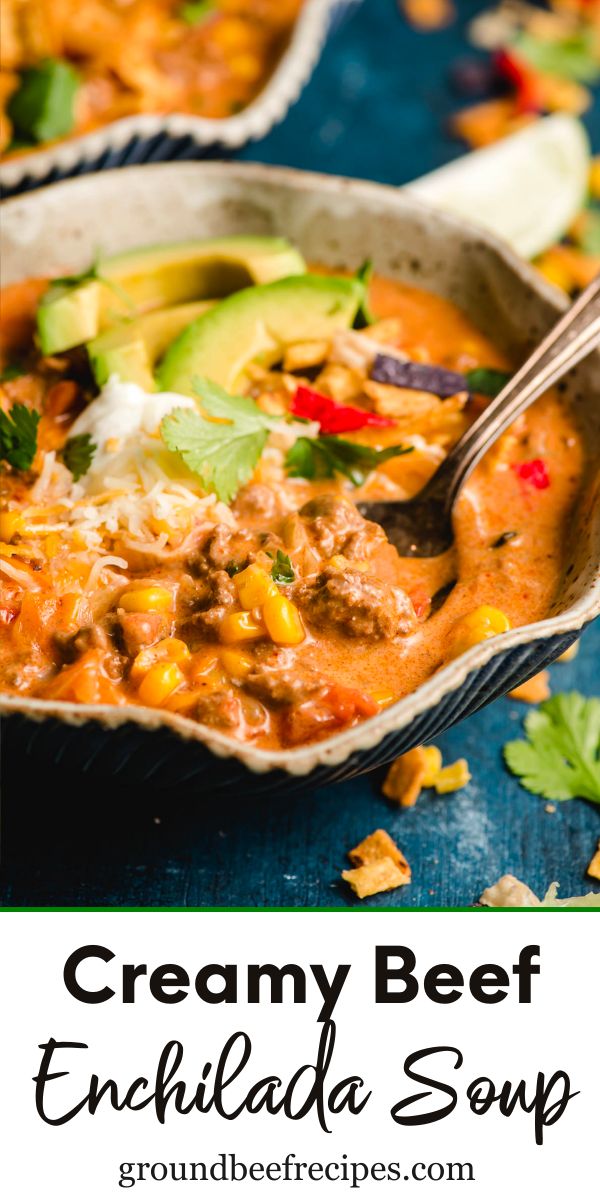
x,y
337,222
158,138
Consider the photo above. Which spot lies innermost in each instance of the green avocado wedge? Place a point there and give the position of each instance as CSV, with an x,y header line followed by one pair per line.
x,y
131,350
257,325
76,310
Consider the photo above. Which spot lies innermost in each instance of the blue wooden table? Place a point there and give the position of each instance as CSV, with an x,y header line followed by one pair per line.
x,y
375,108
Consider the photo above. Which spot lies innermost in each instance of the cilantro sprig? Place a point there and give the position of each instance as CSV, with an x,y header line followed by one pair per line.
x,y
487,381
282,570
195,12
77,454
224,451
324,457
560,759
18,436
43,106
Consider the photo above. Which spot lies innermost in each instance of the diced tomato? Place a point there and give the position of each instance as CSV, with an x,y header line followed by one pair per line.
x,y
534,472
84,682
333,417
335,707
421,602
522,78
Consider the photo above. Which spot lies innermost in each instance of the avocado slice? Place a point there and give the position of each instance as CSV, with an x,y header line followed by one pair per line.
x,y
152,277
258,324
132,349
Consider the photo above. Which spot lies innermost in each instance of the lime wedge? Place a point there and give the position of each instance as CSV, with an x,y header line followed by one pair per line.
x,y
526,189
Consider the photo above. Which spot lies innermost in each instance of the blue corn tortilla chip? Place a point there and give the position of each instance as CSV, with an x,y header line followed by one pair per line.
x,y
419,376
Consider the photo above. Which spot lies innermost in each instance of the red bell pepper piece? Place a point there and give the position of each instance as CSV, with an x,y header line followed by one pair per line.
x,y
523,79
534,472
333,417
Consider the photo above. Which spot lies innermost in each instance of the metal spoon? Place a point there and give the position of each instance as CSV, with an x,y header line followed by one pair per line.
x,y
422,526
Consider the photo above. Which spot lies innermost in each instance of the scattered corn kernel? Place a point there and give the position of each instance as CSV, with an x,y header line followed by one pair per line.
x,y
283,621
10,524
236,663
534,690
150,599
594,868
432,763
254,586
569,654
167,650
456,775
160,681
477,626
240,627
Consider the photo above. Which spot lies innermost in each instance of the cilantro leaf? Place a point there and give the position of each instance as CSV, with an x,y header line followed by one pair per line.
x,y
73,281
364,315
573,57
324,457
282,570
18,436
588,236
488,381
223,455
10,372
196,11
561,757
78,453
43,106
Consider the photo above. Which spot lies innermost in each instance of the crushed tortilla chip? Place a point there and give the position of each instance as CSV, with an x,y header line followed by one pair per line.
x,y
406,777
376,846
534,690
378,866
428,14
594,868
422,768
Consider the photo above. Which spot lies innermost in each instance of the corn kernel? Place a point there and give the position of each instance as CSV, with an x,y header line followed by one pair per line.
x,y
10,524
236,663
70,613
555,271
160,681
283,621
240,627
167,650
477,626
432,762
456,775
150,599
246,67
254,586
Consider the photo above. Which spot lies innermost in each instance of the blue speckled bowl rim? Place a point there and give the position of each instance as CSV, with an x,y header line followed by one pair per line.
x,y
333,752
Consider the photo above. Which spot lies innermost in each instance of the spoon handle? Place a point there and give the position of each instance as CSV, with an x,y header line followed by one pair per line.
x,y
576,334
